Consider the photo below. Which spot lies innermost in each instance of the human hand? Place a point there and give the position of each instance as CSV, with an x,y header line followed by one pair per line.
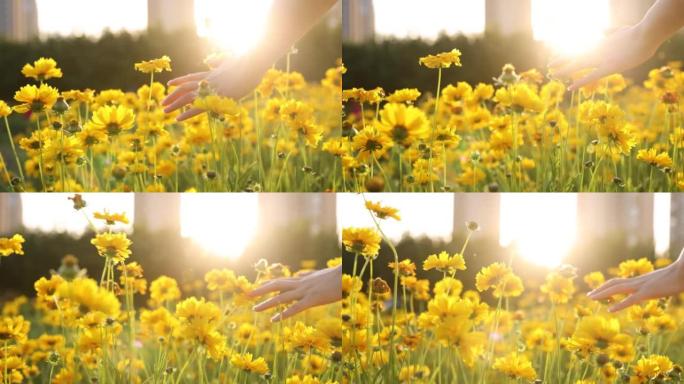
x,y
310,290
663,282
229,77
620,51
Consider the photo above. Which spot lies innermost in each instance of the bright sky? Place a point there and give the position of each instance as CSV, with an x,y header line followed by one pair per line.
x,y
421,213
233,25
221,224
569,26
427,18
542,226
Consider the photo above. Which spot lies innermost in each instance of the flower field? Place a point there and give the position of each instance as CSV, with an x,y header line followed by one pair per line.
x,y
523,132
504,329
88,329
279,138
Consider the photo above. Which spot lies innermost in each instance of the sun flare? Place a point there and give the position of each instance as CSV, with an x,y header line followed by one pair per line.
x,y
233,26
219,224
542,226
570,27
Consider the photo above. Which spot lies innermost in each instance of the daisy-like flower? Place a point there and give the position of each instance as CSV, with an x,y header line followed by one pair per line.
x,y
222,280
155,65
558,287
382,212
164,289
654,158
406,95
12,245
414,374
217,106
444,262
500,279
13,329
113,245
515,366
111,218
247,363
112,119
35,99
5,110
365,241
404,124
442,60
42,69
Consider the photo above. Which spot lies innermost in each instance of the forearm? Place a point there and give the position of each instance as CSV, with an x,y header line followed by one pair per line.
x,y
289,21
663,20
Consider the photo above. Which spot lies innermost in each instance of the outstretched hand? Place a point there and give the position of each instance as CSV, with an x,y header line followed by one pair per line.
x,y
618,52
231,77
309,290
663,282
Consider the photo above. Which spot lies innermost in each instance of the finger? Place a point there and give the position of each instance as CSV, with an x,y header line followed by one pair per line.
x,y
291,311
592,77
282,298
608,284
180,91
189,114
624,288
273,286
631,300
180,102
197,76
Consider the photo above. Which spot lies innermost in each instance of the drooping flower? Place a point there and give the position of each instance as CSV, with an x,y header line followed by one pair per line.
x,y
42,69
365,241
12,245
113,245
35,99
155,65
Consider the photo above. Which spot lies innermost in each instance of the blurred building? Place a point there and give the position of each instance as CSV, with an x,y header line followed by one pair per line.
x,y
334,16
18,20
279,210
10,213
603,215
508,17
156,212
628,12
676,224
171,15
358,21
482,208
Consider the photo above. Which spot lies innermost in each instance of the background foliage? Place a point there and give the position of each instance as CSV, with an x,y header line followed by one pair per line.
x,y
393,63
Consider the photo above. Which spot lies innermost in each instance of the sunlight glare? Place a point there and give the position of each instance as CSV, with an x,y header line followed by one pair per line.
x,y
221,224
234,26
570,27
661,222
541,225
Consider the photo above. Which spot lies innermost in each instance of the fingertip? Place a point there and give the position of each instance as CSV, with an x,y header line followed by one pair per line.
x,y
277,317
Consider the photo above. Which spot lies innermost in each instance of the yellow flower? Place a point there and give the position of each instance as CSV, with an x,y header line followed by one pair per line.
x,y
404,124
515,366
445,263
222,280
112,119
217,106
365,241
42,69
414,374
382,212
5,110
371,141
247,363
649,368
559,287
111,218
13,329
405,95
500,278
632,268
164,289
12,245
442,60
113,245
35,99
594,279
155,65
653,158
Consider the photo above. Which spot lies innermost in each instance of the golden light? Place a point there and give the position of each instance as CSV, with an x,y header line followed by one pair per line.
x,y
570,26
234,26
221,224
542,226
